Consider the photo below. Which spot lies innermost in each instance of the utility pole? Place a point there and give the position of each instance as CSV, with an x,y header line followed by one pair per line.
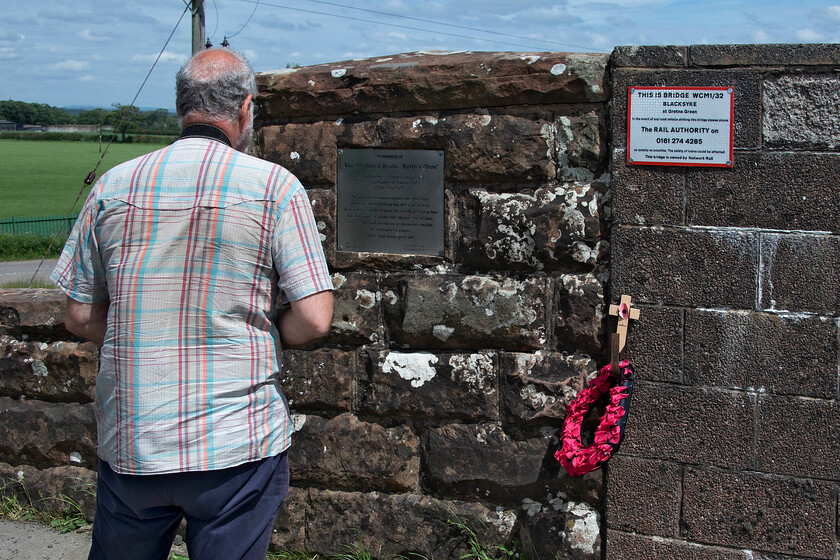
x,y
197,26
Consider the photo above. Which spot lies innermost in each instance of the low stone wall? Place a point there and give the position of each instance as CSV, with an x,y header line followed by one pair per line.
x,y
733,449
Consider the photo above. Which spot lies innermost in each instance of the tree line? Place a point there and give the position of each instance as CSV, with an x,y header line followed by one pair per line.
x,y
123,118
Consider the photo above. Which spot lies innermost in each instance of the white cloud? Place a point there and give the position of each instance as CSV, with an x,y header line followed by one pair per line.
x,y
165,57
808,35
86,35
760,37
86,78
9,36
72,65
833,13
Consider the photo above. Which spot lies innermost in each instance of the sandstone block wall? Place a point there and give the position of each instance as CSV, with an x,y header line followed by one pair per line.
x,y
439,392
733,449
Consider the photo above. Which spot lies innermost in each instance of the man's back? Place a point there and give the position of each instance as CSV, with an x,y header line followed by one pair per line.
x,y
191,239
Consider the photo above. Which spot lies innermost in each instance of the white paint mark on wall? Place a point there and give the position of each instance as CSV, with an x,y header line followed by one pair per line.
x,y
416,367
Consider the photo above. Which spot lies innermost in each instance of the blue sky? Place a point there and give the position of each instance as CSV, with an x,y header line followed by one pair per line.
x,y
98,52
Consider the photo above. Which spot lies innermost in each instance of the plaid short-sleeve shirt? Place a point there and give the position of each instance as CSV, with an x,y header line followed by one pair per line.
x,y
191,245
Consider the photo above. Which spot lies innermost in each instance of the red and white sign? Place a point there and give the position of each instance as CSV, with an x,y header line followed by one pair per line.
x,y
680,126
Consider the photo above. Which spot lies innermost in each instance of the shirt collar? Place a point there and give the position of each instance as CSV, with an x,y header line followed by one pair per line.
x,y
209,131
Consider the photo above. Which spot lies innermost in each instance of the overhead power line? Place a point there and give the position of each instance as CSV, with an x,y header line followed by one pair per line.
x,y
412,28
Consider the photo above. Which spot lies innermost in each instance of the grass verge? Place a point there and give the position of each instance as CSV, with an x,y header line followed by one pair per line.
x,y
30,247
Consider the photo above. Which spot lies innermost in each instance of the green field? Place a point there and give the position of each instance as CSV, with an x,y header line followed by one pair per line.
x,y
43,178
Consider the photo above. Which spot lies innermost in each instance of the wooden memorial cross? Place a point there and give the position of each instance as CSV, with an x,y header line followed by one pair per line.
x,y
625,312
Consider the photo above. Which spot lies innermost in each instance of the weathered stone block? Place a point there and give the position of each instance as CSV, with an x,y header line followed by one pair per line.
x,y
621,546
690,425
434,81
800,112
321,380
646,195
55,489
290,526
579,313
655,344
438,386
685,267
33,312
745,510
798,437
762,352
581,146
650,57
793,273
480,147
553,228
644,496
746,82
470,312
537,388
47,435
401,523
357,317
796,193
57,372
345,453
471,459
308,150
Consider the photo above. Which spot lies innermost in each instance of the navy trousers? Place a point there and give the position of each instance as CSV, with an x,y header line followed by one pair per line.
x,y
230,513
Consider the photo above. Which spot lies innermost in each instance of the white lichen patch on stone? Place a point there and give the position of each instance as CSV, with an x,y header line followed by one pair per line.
x,y
338,280
503,520
531,507
311,83
475,369
339,121
530,59
478,121
298,420
322,225
294,155
415,367
39,368
391,297
442,332
75,457
366,298
583,527
558,69
338,72
535,398
583,253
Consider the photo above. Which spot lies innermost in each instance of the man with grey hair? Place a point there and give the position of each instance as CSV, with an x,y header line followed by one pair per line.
x,y
175,267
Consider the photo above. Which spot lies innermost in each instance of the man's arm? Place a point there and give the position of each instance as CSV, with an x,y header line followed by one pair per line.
x,y
307,319
87,320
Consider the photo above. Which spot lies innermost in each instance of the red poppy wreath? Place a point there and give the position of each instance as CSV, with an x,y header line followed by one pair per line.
x,y
578,459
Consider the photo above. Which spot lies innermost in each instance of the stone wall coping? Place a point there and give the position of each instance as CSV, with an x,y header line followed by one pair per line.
x,y
438,81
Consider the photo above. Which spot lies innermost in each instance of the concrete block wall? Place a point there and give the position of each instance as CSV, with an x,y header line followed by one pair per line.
x,y
733,448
